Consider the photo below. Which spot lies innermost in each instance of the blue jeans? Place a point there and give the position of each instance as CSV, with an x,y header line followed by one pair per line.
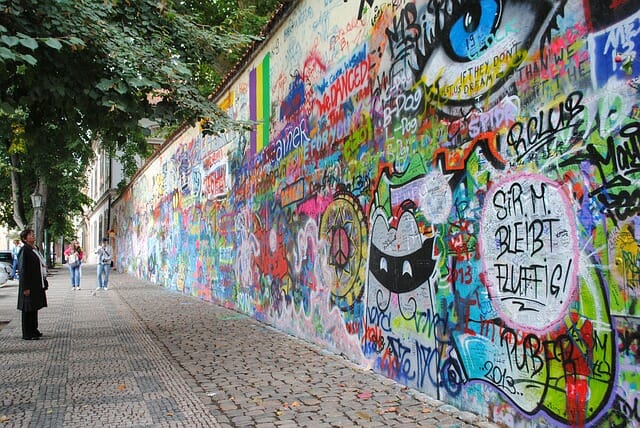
x,y
103,274
75,276
14,270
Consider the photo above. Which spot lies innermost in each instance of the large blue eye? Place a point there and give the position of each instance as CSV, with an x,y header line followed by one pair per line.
x,y
472,29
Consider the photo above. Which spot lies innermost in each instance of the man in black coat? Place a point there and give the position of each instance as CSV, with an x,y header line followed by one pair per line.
x,y
31,290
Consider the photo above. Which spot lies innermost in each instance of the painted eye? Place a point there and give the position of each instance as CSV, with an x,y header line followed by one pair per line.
x,y
406,268
472,29
383,264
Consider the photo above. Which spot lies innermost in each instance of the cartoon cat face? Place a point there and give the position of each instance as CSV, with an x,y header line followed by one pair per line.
x,y
400,259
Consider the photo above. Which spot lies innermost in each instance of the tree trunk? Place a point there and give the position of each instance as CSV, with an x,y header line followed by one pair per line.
x,y
17,197
16,193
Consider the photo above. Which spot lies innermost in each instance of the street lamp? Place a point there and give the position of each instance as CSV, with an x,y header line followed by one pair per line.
x,y
36,201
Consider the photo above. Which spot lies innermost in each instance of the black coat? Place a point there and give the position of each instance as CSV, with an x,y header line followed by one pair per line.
x,y
30,278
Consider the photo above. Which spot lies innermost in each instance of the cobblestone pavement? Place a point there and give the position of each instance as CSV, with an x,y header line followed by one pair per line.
x,y
138,355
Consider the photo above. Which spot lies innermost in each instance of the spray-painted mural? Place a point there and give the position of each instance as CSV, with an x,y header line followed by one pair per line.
x,y
444,191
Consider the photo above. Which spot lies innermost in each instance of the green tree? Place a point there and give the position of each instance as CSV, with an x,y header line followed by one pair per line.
x,y
77,71
245,17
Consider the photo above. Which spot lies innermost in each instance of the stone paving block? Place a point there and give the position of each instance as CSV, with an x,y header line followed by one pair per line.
x,y
255,412
467,417
265,418
286,424
486,424
242,420
227,405
449,423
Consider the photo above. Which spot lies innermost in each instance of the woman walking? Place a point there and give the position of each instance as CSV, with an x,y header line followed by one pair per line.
x,y
32,285
74,260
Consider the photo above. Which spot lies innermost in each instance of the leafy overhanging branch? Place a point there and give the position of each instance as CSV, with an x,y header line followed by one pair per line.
x,y
73,70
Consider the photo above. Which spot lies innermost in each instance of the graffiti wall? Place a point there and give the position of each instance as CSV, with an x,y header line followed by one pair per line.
x,y
445,191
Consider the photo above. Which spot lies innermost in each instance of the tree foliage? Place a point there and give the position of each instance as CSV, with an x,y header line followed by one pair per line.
x,y
76,71
244,17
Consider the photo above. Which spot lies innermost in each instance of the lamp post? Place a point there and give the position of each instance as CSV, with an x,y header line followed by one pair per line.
x,y
36,201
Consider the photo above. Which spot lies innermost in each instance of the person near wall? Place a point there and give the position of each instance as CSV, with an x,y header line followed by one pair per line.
x,y
74,255
15,250
105,253
32,285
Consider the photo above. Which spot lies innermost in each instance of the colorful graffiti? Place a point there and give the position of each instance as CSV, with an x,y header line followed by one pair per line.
x,y
446,191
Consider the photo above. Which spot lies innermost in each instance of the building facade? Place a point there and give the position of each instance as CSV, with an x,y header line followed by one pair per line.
x,y
102,183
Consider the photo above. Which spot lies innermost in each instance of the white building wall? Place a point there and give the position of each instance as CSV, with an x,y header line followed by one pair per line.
x,y
103,177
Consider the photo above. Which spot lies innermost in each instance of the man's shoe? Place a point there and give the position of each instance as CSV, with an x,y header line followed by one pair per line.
x,y
31,338
38,333
98,288
105,288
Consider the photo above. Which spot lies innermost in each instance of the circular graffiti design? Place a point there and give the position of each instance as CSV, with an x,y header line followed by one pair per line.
x,y
529,249
344,228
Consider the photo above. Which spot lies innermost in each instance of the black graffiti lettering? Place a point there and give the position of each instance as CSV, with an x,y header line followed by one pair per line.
x,y
629,342
362,6
509,204
602,370
533,349
623,158
525,236
525,355
574,351
628,154
408,41
622,204
630,411
539,197
540,131
526,285
616,194
498,376
556,275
